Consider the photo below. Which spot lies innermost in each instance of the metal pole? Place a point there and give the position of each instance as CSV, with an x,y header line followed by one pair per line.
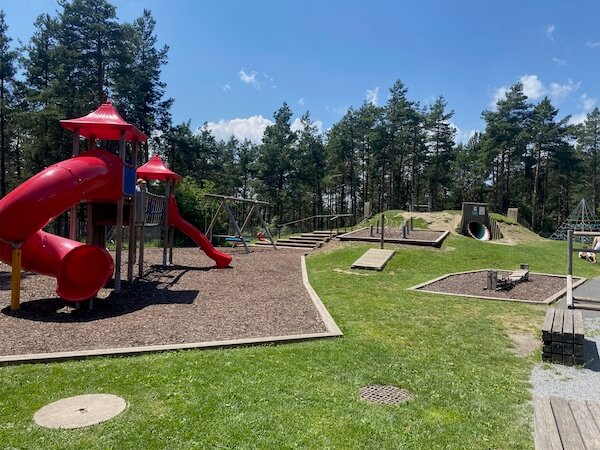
x,y
141,219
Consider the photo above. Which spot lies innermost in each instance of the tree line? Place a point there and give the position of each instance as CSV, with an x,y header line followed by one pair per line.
x,y
390,156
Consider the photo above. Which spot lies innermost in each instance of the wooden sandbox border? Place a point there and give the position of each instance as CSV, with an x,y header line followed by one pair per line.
x,y
332,331
576,282
437,243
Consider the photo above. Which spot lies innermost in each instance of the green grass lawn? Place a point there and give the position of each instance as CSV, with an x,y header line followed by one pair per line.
x,y
452,354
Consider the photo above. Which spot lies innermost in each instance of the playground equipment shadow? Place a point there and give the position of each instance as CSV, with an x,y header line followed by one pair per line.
x,y
261,296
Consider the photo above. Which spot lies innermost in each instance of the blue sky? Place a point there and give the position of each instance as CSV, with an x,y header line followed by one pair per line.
x,y
233,63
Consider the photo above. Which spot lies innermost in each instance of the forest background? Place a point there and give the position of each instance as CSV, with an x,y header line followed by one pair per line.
x,y
389,156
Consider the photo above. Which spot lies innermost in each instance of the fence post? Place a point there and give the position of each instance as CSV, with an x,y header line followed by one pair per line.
x,y
382,229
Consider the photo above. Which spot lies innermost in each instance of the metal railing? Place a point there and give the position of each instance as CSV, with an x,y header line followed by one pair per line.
x,y
317,222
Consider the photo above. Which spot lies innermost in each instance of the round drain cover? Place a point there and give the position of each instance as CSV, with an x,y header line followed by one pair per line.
x,y
80,411
384,395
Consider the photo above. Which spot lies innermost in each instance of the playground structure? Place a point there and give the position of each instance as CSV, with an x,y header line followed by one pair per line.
x,y
477,223
506,283
580,219
154,209
226,202
96,177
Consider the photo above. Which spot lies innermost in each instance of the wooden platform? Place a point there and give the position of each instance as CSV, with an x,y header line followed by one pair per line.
x,y
373,258
566,424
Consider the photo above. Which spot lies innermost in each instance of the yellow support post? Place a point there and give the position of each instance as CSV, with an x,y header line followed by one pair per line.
x,y
15,295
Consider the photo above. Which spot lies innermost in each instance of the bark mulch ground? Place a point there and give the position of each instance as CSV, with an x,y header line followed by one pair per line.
x,y
537,289
261,295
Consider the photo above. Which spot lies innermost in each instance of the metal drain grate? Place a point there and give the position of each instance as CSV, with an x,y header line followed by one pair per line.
x,y
384,395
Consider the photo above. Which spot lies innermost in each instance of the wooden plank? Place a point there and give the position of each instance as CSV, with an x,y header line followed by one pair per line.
x,y
588,429
373,259
557,326
546,431
594,408
568,326
547,326
577,327
566,424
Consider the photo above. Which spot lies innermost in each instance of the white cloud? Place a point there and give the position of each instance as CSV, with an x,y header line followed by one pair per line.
x,y
256,79
576,119
373,96
587,103
248,78
558,61
550,32
592,44
560,91
532,86
498,95
301,101
462,136
297,125
251,128
534,89
226,88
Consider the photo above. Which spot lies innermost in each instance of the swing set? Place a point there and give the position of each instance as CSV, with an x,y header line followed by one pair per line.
x,y
226,203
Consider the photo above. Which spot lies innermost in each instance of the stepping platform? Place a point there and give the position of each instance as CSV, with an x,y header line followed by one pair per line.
x,y
374,258
566,424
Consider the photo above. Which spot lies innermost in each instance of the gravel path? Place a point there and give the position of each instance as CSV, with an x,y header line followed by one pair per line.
x,y
572,382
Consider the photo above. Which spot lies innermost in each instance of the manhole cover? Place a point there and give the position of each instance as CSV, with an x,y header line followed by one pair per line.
x,y
384,395
80,411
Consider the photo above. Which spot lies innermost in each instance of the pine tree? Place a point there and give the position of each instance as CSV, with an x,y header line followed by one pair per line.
x,y
274,160
505,142
588,140
8,61
138,88
440,147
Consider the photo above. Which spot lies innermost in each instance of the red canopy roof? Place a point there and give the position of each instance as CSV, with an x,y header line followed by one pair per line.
x,y
105,123
155,169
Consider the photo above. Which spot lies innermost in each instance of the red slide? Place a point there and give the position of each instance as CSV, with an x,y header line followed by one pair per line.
x,y
81,270
221,259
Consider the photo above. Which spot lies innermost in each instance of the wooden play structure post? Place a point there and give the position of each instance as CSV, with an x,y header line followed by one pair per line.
x,y
224,203
15,293
119,222
382,229
166,225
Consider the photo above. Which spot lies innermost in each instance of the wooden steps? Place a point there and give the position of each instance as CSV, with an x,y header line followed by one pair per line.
x,y
307,241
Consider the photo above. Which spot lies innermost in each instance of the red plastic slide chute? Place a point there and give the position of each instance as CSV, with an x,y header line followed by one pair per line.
x,y
81,270
222,260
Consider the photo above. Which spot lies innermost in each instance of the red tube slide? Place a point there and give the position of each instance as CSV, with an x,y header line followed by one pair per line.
x,y
81,270
221,259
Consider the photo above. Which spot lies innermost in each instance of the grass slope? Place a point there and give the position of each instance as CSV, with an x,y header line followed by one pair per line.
x,y
452,354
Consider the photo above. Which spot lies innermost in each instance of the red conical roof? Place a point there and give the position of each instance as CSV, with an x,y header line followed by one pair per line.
x,y
105,123
155,169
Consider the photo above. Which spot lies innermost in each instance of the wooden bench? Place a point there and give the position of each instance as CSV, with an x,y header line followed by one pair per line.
x,y
562,336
